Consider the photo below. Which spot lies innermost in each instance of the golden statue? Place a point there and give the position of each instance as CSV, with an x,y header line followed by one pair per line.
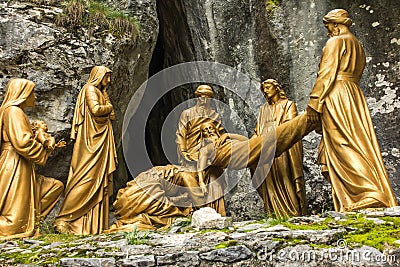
x,y
85,207
188,140
349,152
282,190
25,198
155,198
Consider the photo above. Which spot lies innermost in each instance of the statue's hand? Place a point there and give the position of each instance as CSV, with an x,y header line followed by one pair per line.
x,y
312,115
61,144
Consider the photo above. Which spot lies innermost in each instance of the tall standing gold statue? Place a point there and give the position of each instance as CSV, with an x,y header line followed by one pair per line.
x,y
85,207
282,190
188,141
349,151
24,197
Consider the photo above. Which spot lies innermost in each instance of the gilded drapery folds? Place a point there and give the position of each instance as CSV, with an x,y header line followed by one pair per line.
x,y
24,196
349,152
89,185
282,188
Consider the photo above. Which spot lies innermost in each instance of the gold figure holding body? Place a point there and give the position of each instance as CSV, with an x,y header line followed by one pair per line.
x,y
349,152
189,139
85,207
282,190
25,197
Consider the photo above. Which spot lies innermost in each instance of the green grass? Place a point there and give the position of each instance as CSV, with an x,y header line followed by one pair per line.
x,y
367,232
370,234
137,237
52,238
229,243
98,18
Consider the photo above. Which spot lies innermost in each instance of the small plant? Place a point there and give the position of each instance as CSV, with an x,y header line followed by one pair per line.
x,y
136,237
271,5
227,244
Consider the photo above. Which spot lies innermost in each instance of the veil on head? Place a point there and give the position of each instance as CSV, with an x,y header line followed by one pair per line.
x,y
96,76
17,91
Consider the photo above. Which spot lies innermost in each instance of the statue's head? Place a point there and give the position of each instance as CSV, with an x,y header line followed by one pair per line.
x,y
336,21
99,75
204,93
20,92
39,125
338,16
271,88
208,129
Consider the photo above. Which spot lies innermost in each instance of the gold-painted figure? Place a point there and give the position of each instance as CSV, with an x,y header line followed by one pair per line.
x,y
155,198
25,197
349,152
89,186
188,141
282,190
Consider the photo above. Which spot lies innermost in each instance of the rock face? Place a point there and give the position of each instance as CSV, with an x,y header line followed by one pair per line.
x,y
285,43
59,62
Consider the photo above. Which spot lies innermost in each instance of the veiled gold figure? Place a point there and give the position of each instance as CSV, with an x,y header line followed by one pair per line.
x,y
24,197
349,151
85,207
188,141
282,190
155,198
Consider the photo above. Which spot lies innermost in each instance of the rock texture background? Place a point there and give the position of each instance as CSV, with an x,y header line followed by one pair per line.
x,y
284,44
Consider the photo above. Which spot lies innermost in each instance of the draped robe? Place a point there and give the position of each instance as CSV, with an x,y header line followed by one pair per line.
x,y
86,203
349,152
24,196
283,190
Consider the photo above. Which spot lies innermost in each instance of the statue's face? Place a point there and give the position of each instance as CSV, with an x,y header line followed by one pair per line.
x,y
30,100
332,29
208,130
203,99
106,79
42,125
269,90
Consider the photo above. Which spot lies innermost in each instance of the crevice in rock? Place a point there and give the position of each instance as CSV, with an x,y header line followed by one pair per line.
x,y
174,46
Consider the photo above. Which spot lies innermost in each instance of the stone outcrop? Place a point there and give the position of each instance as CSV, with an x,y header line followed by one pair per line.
x,y
59,62
326,240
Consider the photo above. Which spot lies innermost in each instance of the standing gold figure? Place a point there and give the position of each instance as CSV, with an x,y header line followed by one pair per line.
x,y
85,207
349,151
189,139
24,197
282,190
